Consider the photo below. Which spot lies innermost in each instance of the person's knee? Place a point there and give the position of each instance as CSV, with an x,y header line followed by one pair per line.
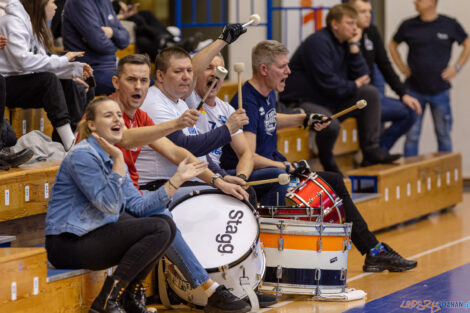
x,y
50,79
171,225
370,94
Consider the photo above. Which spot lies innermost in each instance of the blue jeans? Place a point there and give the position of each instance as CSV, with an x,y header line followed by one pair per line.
x,y
268,194
181,255
402,118
393,110
442,117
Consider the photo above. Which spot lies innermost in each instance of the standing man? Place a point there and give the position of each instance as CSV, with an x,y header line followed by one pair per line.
x,y
401,113
329,74
270,65
430,37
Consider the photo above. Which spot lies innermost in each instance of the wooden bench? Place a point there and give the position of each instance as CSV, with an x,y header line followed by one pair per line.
x,y
25,120
25,191
43,290
412,188
130,49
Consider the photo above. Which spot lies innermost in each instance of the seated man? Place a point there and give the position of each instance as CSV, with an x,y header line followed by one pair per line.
x,y
401,113
216,113
174,82
93,27
132,83
270,65
329,74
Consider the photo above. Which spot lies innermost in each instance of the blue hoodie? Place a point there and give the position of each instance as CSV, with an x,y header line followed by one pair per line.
x,y
81,29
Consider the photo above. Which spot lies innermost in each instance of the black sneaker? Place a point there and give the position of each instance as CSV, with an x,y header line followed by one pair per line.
x,y
223,301
264,299
15,159
379,156
387,260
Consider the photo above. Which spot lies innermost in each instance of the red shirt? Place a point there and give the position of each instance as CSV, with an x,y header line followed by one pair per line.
x,y
130,156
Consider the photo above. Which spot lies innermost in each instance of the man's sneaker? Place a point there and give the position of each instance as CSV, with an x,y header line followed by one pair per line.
x,y
223,301
264,299
15,159
387,260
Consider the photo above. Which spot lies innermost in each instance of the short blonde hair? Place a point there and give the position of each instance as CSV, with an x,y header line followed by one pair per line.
x,y
265,52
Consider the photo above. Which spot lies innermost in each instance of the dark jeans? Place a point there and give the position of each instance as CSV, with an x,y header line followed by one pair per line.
x,y
361,236
133,244
63,99
368,123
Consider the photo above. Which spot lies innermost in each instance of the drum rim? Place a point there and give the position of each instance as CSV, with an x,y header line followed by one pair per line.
x,y
196,193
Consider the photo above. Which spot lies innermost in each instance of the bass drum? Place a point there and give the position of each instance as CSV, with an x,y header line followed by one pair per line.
x,y
223,234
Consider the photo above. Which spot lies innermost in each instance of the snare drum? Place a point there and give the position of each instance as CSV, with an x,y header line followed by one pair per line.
x,y
223,234
304,257
307,196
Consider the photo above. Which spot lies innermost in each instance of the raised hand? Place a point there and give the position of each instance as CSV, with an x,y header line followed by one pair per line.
x,y
231,32
187,170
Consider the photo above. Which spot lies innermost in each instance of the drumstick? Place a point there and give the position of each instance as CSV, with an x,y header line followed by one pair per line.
x,y
282,179
239,68
253,20
361,104
220,73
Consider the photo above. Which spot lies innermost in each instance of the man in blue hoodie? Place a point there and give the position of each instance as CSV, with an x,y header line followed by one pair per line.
x,y
93,27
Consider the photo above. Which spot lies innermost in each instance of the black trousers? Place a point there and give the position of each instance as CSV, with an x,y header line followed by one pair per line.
x,y
64,100
133,244
361,236
368,123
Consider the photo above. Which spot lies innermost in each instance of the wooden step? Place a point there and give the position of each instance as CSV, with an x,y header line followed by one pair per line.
x,y
409,189
23,272
25,120
25,191
130,49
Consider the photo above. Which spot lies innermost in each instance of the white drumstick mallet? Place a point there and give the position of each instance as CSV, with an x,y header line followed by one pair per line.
x,y
253,20
361,104
282,179
239,68
220,73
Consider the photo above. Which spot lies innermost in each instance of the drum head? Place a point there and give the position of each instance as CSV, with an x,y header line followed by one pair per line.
x,y
219,229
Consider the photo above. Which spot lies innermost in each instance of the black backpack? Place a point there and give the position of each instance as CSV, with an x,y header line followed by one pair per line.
x,y
7,134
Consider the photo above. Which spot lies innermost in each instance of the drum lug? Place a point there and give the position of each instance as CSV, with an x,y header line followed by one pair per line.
x,y
279,272
317,279
343,274
280,241
253,249
345,245
258,278
223,270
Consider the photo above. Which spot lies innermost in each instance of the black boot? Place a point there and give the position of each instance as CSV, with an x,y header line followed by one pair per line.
x,y
109,299
134,298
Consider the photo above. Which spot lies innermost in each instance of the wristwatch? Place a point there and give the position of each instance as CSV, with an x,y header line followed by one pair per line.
x,y
242,176
216,176
354,43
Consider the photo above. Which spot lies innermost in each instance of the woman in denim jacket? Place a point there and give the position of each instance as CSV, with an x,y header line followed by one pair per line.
x,y
97,219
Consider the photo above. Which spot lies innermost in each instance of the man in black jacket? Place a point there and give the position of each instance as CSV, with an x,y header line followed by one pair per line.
x,y
329,74
401,113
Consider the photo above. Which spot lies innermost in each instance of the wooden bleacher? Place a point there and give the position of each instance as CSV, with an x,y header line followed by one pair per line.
x,y
412,188
25,120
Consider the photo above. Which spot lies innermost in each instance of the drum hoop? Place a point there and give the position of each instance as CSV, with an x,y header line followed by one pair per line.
x,y
196,193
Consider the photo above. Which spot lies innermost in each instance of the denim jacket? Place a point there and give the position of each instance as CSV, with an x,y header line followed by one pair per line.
x,y
88,194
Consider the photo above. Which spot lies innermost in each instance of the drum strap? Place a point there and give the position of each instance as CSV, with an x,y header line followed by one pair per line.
x,y
245,283
162,288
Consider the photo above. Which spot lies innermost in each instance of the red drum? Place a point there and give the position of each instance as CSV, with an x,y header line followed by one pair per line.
x,y
305,202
